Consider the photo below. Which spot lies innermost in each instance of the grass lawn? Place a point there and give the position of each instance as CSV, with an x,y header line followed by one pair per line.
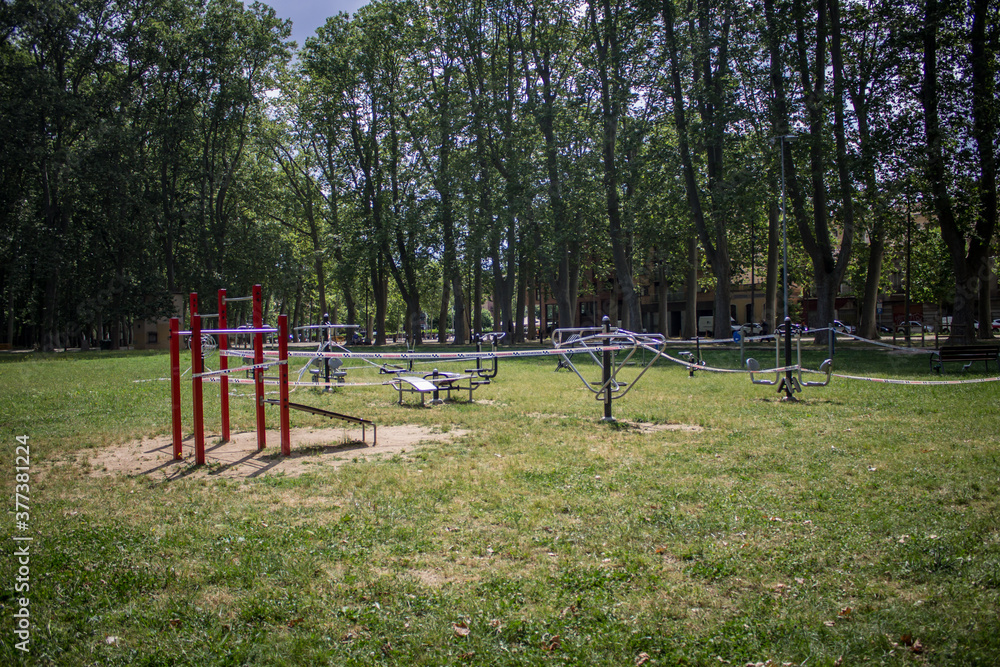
x,y
860,525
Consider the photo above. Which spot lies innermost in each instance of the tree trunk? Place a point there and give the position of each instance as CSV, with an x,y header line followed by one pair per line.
x,y
869,314
771,309
519,308
609,67
564,281
968,256
477,299
985,331
690,328
715,244
663,299
297,313
532,329
443,312
985,117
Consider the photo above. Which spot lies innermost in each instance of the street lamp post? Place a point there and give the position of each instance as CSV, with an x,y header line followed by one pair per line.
x,y
787,382
784,225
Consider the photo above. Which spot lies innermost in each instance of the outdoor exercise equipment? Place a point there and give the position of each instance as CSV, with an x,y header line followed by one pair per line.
x,y
319,366
437,381
197,336
790,384
607,341
198,373
332,415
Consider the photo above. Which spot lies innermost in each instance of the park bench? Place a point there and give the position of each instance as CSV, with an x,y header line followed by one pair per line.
x,y
968,354
433,383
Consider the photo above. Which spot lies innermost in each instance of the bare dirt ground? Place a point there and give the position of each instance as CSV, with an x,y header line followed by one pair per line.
x,y
312,449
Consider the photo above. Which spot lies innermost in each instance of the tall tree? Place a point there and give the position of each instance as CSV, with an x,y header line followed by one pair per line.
x,y
819,237
546,67
967,238
609,25
708,79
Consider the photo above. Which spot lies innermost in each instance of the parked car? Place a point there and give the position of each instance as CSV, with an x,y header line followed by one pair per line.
x,y
796,328
751,328
915,328
844,328
946,324
706,325
996,325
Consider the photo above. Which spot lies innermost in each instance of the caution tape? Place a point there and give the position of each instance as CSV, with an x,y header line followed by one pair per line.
x,y
924,383
240,369
304,384
449,356
878,343
712,369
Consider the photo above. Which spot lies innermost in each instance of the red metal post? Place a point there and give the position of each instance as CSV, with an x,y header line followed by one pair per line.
x,y
223,366
175,385
286,438
258,358
197,367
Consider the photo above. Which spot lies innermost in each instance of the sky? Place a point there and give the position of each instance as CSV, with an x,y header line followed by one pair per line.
x,y
307,15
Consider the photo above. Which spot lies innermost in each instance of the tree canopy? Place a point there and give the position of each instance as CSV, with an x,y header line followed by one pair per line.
x,y
422,155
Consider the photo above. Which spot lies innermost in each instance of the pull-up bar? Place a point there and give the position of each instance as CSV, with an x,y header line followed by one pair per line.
x,y
197,372
226,332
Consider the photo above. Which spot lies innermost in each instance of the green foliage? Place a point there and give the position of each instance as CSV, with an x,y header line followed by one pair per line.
x,y
413,150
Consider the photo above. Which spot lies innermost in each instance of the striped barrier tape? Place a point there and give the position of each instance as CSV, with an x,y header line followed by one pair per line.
x,y
448,356
304,384
712,369
240,369
924,383
878,343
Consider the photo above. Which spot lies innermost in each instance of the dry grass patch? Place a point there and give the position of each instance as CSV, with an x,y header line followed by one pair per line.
x,y
312,449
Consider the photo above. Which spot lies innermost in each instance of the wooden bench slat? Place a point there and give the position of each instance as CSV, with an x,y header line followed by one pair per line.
x,y
966,353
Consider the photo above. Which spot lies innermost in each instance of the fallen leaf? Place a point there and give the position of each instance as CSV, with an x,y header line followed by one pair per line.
x,y
829,624
111,641
553,643
642,659
461,629
845,612
469,655
295,621
353,633
175,622
917,647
